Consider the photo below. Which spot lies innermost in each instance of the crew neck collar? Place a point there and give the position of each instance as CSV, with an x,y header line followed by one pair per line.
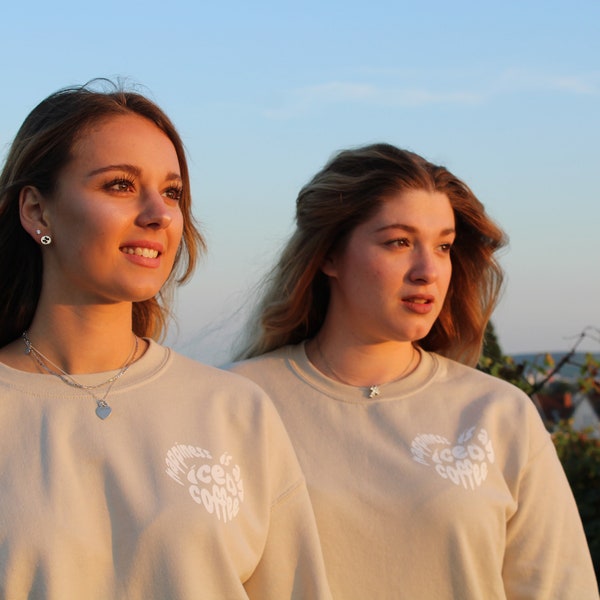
x,y
419,377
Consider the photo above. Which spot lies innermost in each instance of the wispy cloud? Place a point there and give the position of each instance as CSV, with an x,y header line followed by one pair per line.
x,y
303,100
449,89
523,80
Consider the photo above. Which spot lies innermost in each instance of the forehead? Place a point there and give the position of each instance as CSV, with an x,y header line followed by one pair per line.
x,y
125,138
423,209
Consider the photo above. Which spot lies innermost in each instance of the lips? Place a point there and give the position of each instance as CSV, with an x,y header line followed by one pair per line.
x,y
143,250
418,299
139,251
419,304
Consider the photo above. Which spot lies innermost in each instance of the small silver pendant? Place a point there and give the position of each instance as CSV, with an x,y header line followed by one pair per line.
x,y
373,391
103,410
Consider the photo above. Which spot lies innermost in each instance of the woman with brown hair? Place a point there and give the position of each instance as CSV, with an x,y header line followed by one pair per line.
x,y
429,479
126,470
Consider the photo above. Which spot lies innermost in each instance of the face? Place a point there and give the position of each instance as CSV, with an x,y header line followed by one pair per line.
x,y
389,281
114,218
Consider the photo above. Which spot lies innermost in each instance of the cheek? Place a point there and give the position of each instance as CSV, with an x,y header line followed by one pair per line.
x,y
445,279
448,273
92,217
80,230
376,277
388,273
366,275
176,227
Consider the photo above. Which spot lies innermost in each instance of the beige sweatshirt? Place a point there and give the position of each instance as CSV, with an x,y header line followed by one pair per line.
x,y
189,490
446,486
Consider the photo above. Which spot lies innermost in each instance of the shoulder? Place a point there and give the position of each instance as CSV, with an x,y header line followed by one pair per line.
x,y
501,412
225,399
265,363
458,372
482,390
502,402
194,378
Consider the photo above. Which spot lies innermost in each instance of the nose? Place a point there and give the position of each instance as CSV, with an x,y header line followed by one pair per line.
x,y
424,268
154,213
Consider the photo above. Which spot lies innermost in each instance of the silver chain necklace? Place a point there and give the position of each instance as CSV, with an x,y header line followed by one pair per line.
x,y
372,390
103,409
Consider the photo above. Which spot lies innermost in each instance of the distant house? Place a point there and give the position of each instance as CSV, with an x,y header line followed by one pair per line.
x,y
559,403
585,416
555,403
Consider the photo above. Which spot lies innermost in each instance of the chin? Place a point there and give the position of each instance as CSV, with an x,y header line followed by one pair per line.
x,y
419,334
141,295
144,297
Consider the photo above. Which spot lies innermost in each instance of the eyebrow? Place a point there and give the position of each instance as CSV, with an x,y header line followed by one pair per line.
x,y
411,229
130,169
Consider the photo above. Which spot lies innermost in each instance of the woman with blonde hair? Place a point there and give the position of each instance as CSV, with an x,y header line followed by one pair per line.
x,y
429,479
126,470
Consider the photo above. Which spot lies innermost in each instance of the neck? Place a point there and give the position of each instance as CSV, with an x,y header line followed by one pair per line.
x,y
361,364
81,340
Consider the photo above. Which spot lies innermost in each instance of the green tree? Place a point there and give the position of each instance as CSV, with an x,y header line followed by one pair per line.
x,y
491,345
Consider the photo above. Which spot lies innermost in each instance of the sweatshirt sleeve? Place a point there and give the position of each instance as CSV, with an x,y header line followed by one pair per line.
x,y
290,564
546,555
292,535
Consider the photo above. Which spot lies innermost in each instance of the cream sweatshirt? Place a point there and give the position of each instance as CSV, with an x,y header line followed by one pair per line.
x,y
190,489
446,486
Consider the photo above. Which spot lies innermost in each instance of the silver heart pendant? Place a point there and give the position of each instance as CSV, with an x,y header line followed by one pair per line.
x,y
103,410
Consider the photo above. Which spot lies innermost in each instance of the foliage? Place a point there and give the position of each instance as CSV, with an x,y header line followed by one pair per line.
x,y
535,377
491,345
579,453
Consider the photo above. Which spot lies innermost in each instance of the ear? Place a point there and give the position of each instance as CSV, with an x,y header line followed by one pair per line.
x,y
329,265
32,210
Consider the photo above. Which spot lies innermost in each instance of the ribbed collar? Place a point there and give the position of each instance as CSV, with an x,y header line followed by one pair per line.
x,y
300,364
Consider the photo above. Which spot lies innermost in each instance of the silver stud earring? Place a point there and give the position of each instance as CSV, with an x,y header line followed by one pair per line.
x,y
46,239
38,231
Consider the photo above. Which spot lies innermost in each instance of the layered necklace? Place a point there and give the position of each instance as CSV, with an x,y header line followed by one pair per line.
x,y
103,409
372,391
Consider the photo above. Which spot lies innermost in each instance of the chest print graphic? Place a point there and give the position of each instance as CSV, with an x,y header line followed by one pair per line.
x,y
216,485
464,463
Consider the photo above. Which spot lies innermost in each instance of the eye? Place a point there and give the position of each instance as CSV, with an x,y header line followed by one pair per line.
x,y
120,184
446,247
174,192
398,242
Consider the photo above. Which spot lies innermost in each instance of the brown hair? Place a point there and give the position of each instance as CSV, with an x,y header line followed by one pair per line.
x,y
347,192
41,149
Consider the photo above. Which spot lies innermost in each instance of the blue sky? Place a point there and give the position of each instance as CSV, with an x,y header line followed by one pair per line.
x,y
507,95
